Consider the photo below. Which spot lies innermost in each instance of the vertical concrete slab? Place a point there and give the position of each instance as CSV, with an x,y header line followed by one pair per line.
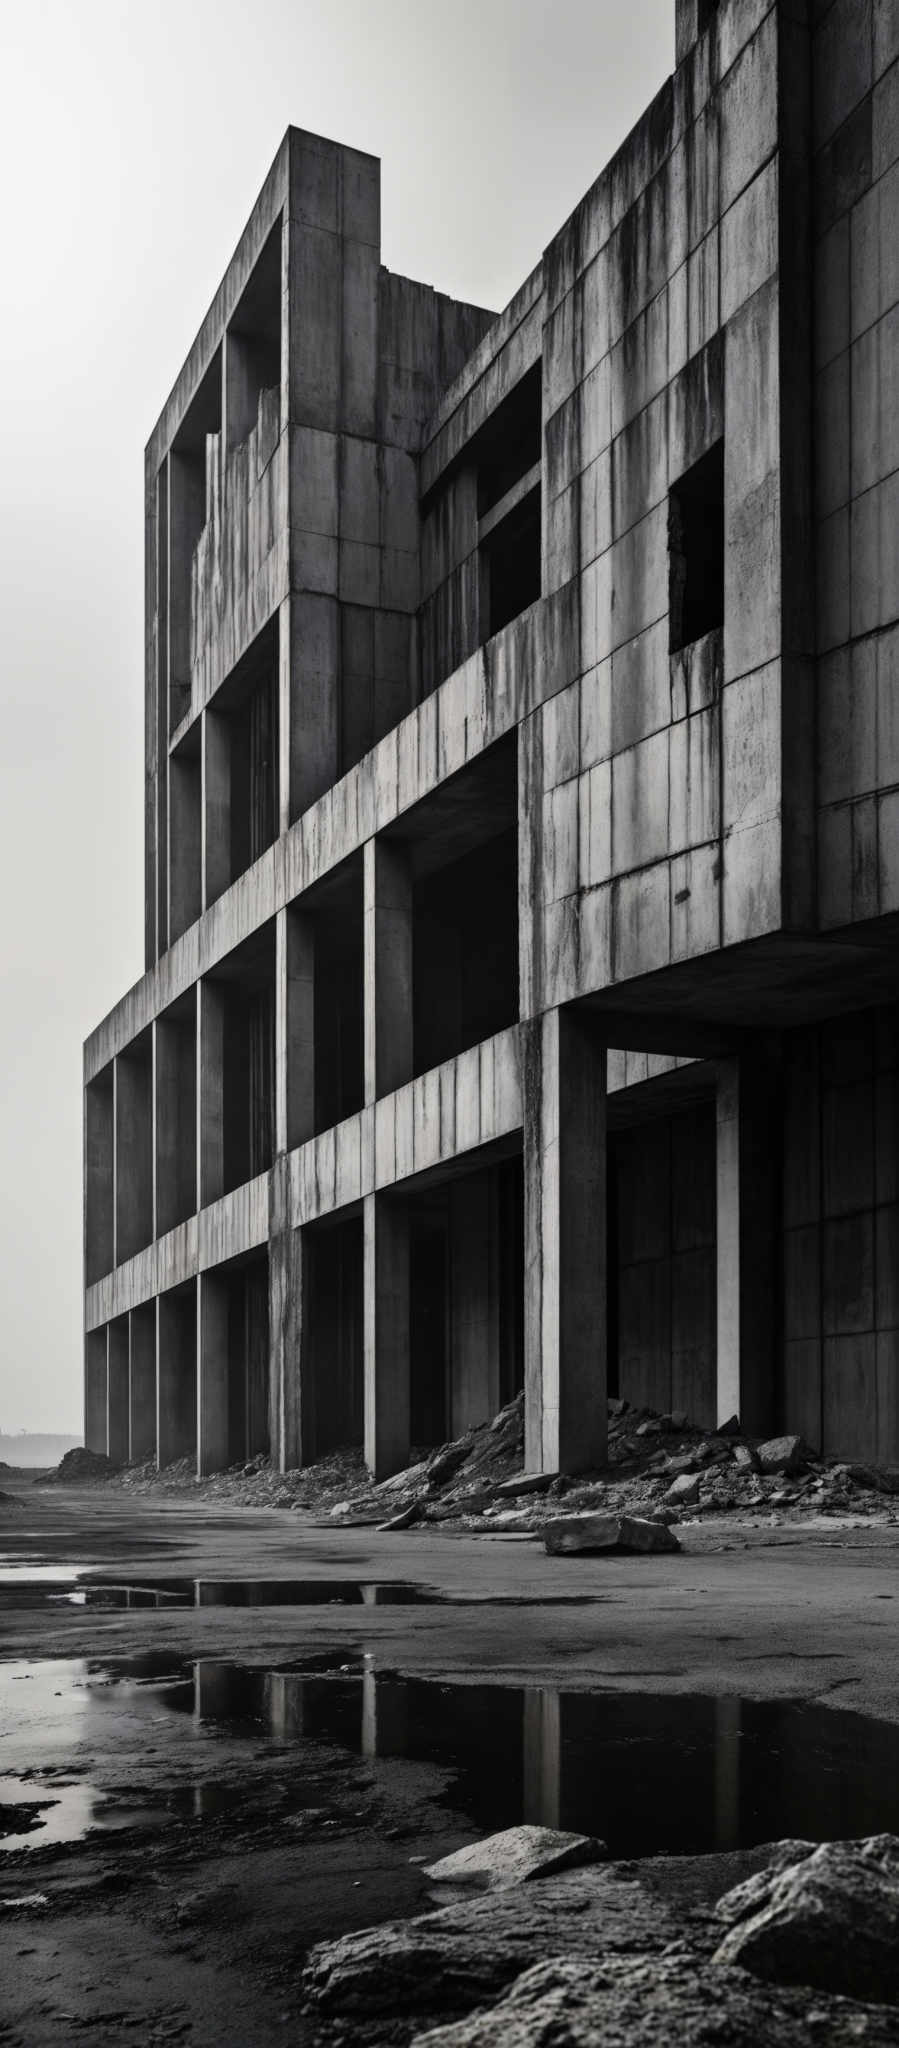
x,y
117,1397
387,968
133,1152
294,1029
289,1422
210,1092
95,1367
564,1086
474,1311
310,625
748,1136
142,1383
176,1376
386,1347
212,1374
216,745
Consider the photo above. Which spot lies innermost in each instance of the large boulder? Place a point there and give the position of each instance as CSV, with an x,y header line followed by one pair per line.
x,y
655,2001
451,1960
595,1534
829,1919
514,1855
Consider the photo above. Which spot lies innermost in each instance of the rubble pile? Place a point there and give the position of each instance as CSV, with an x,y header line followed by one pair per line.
x,y
661,1468
80,1467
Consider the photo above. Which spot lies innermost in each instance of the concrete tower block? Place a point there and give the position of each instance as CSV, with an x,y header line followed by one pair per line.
x,y
565,1344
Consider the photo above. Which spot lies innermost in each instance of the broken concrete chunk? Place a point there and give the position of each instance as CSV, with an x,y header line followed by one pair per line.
x,y
683,1491
744,1456
654,2000
829,1919
514,1855
783,1454
403,1519
525,1482
596,1533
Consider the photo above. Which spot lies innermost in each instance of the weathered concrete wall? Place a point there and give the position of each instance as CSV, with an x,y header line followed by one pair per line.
x,y
662,1220
856,337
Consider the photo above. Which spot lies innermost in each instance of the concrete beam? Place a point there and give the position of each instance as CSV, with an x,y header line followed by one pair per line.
x,y
387,968
212,1374
564,1083
386,1334
142,1384
748,1126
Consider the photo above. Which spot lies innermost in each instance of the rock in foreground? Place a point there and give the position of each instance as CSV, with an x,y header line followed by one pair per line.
x,y
594,1534
655,2001
830,1920
452,1960
515,1855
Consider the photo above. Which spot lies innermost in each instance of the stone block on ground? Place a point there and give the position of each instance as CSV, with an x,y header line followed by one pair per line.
x,y
525,1482
683,1491
786,1454
515,1855
829,1919
654,2002
450,1960
592,1535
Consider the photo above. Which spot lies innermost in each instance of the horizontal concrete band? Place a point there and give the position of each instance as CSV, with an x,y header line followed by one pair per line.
x,y
469,1102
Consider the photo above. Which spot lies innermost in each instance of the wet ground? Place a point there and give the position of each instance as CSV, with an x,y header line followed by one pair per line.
x,y
225,1735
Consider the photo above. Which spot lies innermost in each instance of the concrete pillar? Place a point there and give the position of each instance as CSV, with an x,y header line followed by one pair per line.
x,y
748,1125
216,806
176,1376
387,968
133,1152
474,1313
289,1434
212,1374
99,1150
308,699
142,1383
294,1029
117,1402
210,1092
542,1758
564,1076
386,1337
95,1376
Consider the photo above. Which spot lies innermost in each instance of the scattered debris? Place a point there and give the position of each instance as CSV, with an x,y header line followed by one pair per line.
x,y
514,1856
79,1467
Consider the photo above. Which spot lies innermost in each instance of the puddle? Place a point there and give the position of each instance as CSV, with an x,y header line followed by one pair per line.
x,y
649,1773
30,1588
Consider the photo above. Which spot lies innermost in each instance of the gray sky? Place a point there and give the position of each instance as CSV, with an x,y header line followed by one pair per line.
x,y
133,142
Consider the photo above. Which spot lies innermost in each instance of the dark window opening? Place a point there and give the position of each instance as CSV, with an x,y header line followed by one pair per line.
x,y
134,1147
246,983
333,1397
193,466
98,1150
510,566
176,1113
465,951
185,816
508,445
466,1300
253,353
339,1087
248,1344
696,551
242,796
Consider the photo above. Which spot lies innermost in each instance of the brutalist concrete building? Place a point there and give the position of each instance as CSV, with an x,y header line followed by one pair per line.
x,y
522,809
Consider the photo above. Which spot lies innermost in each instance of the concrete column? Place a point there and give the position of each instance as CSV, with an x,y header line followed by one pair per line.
x,y
210,1092
386,1337
176,1377
474,1315
748,1124
289,1433
564,1073
387,968
117,1402
142,1383
542,1757
216,808
212,1374
133,1153
95,1377
294,1029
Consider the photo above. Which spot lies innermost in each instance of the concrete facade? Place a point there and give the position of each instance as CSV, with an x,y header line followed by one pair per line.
x,y
522,809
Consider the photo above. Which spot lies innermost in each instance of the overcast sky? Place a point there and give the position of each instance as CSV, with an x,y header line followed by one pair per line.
x,y
132,145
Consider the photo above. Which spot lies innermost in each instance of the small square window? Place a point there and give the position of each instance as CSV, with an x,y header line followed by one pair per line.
x,y
696,550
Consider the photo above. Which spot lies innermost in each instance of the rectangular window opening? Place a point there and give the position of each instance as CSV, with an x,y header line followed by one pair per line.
x,y
696,551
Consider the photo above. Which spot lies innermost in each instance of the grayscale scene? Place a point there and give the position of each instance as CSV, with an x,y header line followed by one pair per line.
x,y
448,1541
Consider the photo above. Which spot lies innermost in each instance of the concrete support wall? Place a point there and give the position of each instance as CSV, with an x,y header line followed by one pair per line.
x,y
117,1392
564,1084
288,1434
388,968
176,1376
748,1123
386,1338
142,1383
